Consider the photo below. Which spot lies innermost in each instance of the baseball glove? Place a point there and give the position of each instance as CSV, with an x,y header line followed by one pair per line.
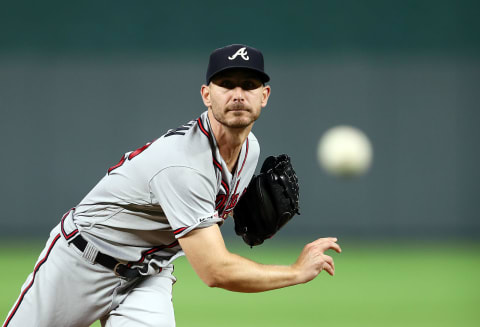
x,y
270,201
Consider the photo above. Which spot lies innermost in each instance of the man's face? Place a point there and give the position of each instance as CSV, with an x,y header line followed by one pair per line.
x,y
236,97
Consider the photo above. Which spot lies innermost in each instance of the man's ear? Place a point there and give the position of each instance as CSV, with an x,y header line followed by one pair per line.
x,y
265,95
205,92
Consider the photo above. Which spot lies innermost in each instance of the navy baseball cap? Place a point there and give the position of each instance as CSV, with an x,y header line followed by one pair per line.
x,y
236,56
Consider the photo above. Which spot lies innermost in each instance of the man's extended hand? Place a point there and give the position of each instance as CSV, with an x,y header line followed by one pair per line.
x,y
218,267
312,260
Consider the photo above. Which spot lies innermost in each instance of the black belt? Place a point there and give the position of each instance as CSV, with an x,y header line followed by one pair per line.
x,y
107,261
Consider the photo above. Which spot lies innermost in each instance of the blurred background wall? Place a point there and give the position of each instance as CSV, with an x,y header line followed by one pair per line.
x,y
83,82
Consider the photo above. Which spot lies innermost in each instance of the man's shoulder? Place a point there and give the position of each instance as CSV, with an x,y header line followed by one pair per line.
x,y
182,152
185,146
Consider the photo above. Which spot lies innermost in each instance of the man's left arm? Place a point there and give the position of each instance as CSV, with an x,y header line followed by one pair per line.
x,y
217,267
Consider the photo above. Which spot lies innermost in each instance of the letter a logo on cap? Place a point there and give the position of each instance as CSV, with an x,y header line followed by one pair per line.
x,y
241,52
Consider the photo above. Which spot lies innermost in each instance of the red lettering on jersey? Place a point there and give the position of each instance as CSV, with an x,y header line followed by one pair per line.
x,y
233,201
122,160
138,151
220,202
132,155
231,204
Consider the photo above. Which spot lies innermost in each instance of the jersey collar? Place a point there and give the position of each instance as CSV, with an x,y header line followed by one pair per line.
x,y
218,162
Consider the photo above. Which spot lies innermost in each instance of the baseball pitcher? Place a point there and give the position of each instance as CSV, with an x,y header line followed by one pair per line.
x,y
111,256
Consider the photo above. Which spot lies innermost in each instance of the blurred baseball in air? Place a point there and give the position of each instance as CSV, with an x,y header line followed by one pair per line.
x,y
345,151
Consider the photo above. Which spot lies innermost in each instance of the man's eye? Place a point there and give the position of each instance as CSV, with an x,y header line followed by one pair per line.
x,y
249,85
227,84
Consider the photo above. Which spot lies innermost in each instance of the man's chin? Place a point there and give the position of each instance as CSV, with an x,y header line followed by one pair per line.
x,y
238,122
238,125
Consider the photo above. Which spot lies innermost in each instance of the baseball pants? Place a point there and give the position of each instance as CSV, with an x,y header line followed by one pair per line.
x,y
67,290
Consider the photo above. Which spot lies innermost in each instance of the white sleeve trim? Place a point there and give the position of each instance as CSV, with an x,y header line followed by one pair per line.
x,y
202,222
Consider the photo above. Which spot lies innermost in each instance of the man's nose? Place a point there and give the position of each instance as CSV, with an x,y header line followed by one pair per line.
x,y
238,94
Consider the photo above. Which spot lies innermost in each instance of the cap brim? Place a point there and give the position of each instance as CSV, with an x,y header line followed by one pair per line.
x,y
263,77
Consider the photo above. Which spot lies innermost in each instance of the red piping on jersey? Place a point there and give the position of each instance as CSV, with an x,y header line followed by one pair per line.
x,y
155,249
200,124
236,187
69,236
204,131
179,230
226,187
39,264
244,159
217,164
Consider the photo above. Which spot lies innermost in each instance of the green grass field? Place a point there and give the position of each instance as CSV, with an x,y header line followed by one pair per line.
x,y
376,284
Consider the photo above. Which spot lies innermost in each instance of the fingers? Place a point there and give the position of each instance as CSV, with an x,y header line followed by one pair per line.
x,y
329,268
335,247
312,260
326,240
328,259
328,243
324,244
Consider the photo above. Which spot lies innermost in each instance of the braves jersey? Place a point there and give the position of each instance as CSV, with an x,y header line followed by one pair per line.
x,y
160,192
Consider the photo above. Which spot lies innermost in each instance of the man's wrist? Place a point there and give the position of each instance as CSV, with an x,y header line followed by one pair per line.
x,y
296,275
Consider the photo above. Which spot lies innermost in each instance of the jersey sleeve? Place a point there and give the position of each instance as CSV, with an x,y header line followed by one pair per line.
x,y
187,198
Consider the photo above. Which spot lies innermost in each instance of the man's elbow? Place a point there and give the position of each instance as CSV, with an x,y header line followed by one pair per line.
x,y
211,282
214,278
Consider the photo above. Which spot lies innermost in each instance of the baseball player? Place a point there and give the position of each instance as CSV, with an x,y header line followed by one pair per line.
x,y
111,256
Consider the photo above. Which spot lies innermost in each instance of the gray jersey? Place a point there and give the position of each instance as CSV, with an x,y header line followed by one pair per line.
x,y
159,193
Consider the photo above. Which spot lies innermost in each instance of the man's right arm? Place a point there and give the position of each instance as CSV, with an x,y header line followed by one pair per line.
x,y
217,267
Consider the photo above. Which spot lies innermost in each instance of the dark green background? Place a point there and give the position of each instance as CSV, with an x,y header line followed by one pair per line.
x,y
83,82
374,26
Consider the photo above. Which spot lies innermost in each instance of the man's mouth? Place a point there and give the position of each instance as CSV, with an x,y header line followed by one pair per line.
x,y
237,107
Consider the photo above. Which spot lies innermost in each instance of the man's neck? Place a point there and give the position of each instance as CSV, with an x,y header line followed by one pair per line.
x,y
229,140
